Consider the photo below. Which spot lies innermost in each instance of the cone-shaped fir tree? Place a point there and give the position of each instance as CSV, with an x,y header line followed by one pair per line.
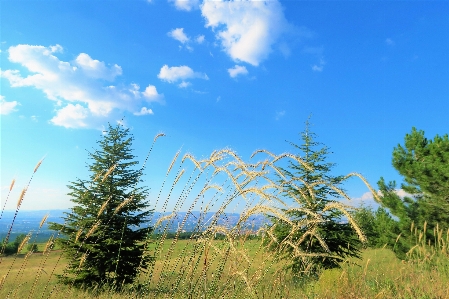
x,y
104,237
322,236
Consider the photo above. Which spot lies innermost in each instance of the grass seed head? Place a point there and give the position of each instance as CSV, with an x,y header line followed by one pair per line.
x,y
22,194
43,220
38,165
12,184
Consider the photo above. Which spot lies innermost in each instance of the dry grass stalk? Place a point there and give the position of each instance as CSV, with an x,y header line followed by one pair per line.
x,y
97,176
178,177
38,165
157,136
164,218
375,194
22,194
43,220
173,162
82,260
48,245
103,207
110,170
343,208
12,184
124,203
23,243
92,230
191,158
78,234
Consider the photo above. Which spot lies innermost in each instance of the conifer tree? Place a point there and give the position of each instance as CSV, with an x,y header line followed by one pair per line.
x,y
424,164
314,195
104,231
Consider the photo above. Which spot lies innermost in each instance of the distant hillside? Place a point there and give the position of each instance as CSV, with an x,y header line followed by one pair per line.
x,y
28,221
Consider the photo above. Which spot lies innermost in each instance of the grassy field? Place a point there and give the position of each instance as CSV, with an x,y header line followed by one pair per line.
x,y
378,275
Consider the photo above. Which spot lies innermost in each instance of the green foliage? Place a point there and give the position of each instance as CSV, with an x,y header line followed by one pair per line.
x,y
104,241
12,247
310,185
424,164
32,247
378,226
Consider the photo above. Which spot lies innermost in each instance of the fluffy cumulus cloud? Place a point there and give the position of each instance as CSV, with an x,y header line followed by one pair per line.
x,y
186,5
200,39
144,111
179,73
7,107
246,29
179,35
237,70
81,88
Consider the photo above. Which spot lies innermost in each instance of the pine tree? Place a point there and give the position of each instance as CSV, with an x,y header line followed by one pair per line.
x,y
424,164
104,233
337,234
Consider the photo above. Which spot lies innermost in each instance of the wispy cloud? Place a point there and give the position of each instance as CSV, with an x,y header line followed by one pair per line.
x,y
280,114
7,107
83,100
184,84
186,5
389,42
319,67
179,73
237,70
247,30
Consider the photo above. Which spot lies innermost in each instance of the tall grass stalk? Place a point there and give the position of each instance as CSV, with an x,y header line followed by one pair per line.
x,y
204,266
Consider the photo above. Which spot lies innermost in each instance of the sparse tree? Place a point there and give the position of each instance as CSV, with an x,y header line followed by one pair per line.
x,y
104,236
310,185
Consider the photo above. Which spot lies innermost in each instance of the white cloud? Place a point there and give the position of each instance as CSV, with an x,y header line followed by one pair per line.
x,y
151,95
179,35
186,5
246,29
97,69
7,107
176,73
237,70
144,111
78,87
184,84
200,39
368,196
71,116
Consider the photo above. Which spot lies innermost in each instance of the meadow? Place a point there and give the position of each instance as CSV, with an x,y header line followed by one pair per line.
x,y
231,261
378,275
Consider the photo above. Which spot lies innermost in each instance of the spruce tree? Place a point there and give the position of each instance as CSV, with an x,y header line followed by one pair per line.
x,y
104,232
314,196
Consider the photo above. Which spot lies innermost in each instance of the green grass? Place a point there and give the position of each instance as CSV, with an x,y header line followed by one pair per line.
x,y
379,275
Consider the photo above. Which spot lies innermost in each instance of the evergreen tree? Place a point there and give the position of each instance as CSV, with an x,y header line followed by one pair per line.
x,y
424,164
315,196
104,237
378,226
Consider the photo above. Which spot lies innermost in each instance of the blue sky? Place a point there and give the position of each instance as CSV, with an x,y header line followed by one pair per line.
x,y
213,74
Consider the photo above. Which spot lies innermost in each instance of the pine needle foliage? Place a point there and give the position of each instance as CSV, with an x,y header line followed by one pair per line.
x,y
104,239
321,233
